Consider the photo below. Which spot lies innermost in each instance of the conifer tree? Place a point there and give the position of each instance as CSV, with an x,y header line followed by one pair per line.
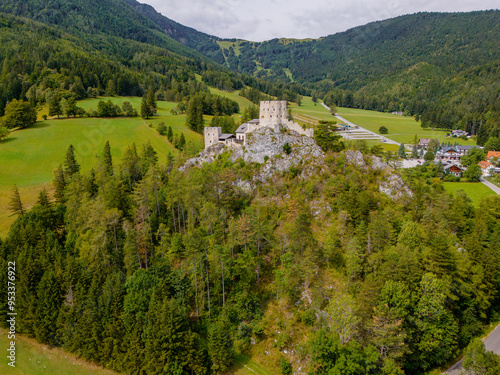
x,y
43,198
48,304
70,164
401,151
194,114
182,142
170,134
150,100
107,160
59,183
15,204
220,347
145,112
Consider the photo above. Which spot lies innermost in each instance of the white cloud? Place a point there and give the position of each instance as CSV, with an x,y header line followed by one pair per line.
x,y
267,19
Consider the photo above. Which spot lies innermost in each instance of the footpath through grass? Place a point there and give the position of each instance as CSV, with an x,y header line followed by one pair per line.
x,y
33,358
474,190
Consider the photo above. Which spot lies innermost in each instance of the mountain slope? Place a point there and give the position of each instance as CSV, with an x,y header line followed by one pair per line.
x,y
350,59
84,19
201,42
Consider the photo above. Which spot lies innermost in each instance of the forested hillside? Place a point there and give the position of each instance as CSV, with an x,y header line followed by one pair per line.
x,y
441,67
146,269
72,48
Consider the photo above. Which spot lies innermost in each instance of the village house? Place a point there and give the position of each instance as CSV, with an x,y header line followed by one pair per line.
x,y
492,155
423,143
454,153
459,133
454,169
487,168
272,114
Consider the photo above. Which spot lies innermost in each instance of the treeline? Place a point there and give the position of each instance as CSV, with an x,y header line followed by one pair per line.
x,y
143,268
207,104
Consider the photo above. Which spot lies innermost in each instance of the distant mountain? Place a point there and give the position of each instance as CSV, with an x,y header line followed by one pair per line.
x,y
201,42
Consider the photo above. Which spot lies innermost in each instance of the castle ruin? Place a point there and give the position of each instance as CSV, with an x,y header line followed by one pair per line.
x,y
273,114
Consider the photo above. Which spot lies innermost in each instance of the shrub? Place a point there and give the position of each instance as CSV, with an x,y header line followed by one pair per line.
x,y
383,130
161,128
287,148
286,367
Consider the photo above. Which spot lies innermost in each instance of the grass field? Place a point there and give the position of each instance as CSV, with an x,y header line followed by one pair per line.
x,y
33,358
401,128
29,156
308,109
474,190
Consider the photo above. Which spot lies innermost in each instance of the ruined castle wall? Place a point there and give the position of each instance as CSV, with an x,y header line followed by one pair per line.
x,y
212,136
297,128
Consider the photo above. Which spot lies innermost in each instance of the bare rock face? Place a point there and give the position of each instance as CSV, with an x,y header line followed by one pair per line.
x,y
208,155
394,187
391,184
265,146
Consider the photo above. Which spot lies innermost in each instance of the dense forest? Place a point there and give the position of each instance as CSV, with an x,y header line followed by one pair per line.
x,y
146,269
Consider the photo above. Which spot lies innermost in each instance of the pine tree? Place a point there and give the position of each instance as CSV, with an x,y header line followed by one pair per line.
x,y
401,151
170,134
70,164
194,114
107,160
15,204
220,347
43,198
150,100
59,183
145,111
182,142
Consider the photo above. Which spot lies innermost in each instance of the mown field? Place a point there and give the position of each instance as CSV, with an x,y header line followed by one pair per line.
x,y
33,358
29,156
401,128
474,190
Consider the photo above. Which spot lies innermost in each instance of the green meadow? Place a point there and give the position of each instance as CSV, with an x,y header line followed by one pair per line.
x,y
474,190
33,358
401,128
29,156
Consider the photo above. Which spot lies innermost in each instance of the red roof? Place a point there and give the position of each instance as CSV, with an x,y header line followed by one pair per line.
x,y
484,164
493,154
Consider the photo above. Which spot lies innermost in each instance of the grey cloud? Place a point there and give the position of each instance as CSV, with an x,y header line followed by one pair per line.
x,y
267,19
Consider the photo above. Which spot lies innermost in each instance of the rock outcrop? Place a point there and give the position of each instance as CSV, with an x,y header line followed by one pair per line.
x,y
266,146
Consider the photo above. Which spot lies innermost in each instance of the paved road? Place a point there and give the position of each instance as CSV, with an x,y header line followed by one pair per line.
x,y
491,343
371,135
493,187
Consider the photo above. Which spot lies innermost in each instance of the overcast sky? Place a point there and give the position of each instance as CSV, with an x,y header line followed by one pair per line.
x,y
259,20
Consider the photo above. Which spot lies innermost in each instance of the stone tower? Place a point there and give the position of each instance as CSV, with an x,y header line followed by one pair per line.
x,y
212,135
273,113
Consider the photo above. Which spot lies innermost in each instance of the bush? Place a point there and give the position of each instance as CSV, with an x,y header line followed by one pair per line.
x,y
161,128
286,367
451,178
383,130
287,148
308,317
